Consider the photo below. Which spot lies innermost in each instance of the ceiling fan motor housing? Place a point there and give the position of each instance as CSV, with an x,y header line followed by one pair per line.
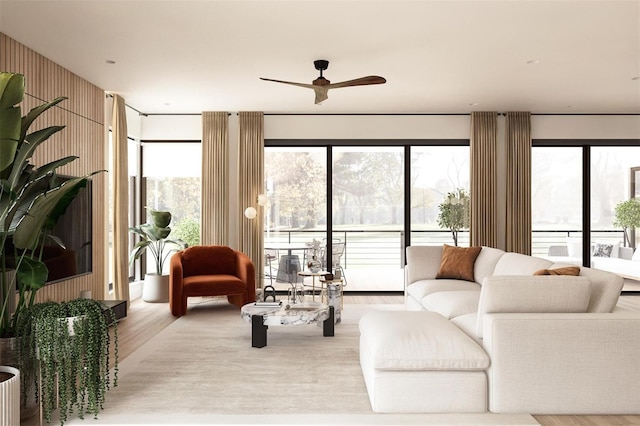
x,y
321,65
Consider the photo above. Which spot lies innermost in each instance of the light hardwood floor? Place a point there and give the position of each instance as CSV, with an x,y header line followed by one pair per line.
x,y
145,320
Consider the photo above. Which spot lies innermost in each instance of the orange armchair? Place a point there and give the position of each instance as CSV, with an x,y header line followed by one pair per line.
x,y
210,271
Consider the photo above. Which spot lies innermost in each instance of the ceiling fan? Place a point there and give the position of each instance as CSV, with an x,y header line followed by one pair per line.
x,y
321,85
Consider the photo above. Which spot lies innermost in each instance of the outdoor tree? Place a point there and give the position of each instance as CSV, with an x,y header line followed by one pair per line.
x,y
627,217
454,212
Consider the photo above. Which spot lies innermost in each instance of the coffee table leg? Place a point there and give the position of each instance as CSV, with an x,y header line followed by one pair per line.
x,y
327,325
258,332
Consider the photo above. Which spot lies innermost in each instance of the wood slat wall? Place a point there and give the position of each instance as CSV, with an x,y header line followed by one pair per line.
x,y
84,136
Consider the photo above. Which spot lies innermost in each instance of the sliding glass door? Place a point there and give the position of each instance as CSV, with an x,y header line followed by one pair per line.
x,y
362,197
368,215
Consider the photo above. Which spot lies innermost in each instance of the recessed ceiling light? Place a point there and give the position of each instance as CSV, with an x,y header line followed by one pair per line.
x,y
569,106
167,103
533,61
110,61
473,104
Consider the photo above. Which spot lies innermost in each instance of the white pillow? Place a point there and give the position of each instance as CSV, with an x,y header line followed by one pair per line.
x,y
636,255
616,249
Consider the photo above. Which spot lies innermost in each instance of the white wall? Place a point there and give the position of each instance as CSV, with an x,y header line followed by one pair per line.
x,y
390,127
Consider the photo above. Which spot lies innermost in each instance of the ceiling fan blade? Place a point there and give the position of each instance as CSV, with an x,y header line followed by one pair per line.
x,y
363,81
310,86
321,93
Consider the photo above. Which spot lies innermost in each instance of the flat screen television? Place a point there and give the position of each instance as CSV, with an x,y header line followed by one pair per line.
x,y
74,230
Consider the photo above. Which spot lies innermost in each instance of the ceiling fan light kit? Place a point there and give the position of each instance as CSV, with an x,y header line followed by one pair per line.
x,y
321,85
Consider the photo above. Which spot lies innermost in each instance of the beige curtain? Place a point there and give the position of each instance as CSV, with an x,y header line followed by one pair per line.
x,y
251,183
518,147
119,181
484,179
214,222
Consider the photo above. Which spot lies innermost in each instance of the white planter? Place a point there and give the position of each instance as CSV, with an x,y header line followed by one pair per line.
x,y
10,398
155,288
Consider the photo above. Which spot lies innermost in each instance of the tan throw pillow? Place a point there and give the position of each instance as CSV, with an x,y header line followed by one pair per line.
x,y
457,262
567,270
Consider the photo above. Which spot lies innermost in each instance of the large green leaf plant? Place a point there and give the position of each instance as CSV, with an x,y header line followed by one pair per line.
x,y
29,200
153,236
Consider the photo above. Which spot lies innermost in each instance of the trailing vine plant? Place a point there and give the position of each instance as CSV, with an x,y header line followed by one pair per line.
x,y
76,355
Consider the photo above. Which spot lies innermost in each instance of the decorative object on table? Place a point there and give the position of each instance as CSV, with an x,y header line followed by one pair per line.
x,y
268,291
153,236
313,248
70,345
295,294
31,200
627,217
454,212
9,396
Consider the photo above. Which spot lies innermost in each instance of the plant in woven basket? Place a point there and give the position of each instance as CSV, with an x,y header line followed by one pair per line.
x,y
70,344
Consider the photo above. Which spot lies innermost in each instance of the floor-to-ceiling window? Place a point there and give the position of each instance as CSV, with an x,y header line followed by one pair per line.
x,y
436,172
381,195
576,186
171,182
556,202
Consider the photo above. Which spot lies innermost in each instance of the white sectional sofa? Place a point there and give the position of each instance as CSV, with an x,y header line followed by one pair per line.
x,y
508,342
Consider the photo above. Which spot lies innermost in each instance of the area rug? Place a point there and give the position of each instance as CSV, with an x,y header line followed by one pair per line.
x,y
202,370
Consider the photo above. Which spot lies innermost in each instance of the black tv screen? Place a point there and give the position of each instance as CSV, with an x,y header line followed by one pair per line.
x,y
74,230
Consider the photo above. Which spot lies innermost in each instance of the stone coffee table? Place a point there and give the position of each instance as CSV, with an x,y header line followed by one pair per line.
x,y
261,317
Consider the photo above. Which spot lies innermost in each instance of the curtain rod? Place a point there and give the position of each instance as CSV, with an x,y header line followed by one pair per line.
x,y
412,114
391,113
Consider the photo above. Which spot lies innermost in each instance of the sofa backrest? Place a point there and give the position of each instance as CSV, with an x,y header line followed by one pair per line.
x,y
605,288
533,294
423,262
520,264
486,263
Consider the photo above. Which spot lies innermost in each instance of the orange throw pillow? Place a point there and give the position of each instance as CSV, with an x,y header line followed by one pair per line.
x,y
568,270
458,262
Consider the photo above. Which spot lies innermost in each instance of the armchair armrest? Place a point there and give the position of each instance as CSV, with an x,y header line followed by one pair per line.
x,y
246,272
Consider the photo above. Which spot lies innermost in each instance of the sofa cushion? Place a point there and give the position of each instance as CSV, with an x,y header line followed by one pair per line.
x,y
423,262
538,294
605,288
451,304
486,263
602,250
402,340
565,270
520,264
458,262
422,288
468,323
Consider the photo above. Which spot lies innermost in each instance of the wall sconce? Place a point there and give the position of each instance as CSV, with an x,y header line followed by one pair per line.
x,y
251,212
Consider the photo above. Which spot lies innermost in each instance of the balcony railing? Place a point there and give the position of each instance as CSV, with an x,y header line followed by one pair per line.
x,y
376,249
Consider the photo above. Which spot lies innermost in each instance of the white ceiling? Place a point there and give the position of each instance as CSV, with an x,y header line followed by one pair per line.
x,y
437,56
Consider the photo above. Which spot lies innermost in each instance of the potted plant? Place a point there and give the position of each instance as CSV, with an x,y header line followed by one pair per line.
x,y
29,198
9,395
70,344
153,236
454,212
627,217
